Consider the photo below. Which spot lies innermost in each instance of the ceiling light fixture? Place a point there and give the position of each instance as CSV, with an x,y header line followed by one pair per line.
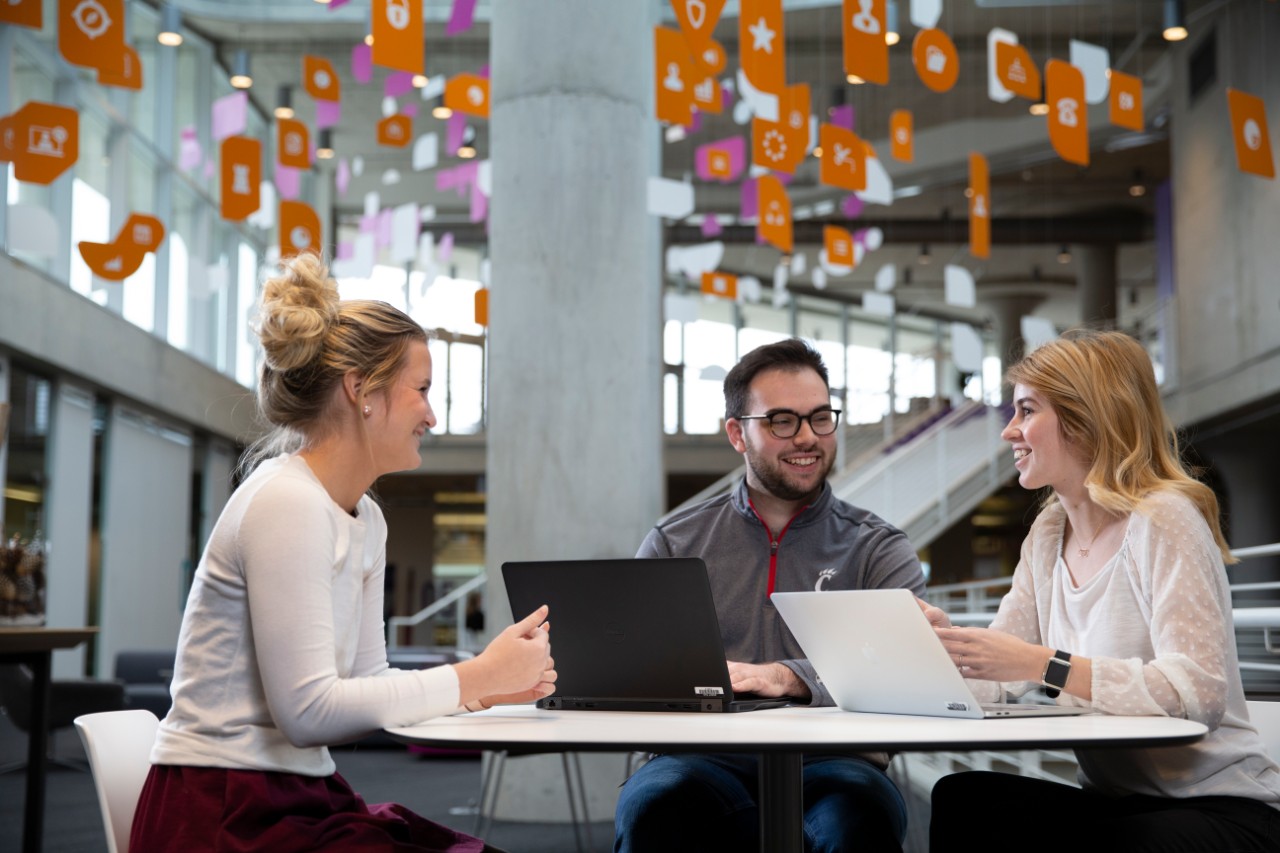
x,y
817,151
1175,21
891,36
1039,109
324,148
284,102
467,151
369,39
420,81
1064,254
170,34
925,258
854,79
1137,189
441,111
240,77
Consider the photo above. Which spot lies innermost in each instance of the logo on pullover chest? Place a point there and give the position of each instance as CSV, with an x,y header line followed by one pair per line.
x,y
824,576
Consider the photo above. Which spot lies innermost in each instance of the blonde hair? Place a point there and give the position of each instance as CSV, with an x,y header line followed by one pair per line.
x,y
311,340
1103,388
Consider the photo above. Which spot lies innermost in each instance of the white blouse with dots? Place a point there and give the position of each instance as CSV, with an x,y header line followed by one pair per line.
x,y
1156,623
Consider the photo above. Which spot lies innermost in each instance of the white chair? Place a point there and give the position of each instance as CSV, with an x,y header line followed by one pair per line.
x,y
1265,717
119,747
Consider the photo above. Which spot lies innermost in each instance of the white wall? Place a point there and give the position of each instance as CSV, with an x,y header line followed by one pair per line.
x,y
68,504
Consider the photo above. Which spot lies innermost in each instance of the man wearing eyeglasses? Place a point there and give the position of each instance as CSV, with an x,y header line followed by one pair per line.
x,y
780,529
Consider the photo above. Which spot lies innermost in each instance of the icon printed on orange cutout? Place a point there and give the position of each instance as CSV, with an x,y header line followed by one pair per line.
x,y
121,258
937,63
91,34
299,229
1250,132
710,59
979,206
706,96
320,80
774,224
1068,118
720,284
468,93
130,77
839,245
762,51
394,131
719,163
1017,71
398,35
672,77
42,140
902,136
1126,101
773,146
844,158
293,143
866,53
698,19
22,13
241,181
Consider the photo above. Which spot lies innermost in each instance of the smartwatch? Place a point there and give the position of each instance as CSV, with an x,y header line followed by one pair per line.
x,y
1055,674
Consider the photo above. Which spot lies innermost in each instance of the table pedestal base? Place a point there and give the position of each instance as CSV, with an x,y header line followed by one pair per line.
x,y
781,802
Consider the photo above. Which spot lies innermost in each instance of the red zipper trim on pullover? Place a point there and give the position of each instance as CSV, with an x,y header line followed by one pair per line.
x,y
774,543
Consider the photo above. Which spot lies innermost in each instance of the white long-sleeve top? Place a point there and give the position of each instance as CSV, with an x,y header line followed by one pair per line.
x,y
1156,624
281,650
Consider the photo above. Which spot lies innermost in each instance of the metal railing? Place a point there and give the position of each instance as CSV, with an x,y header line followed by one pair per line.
x,y
456,598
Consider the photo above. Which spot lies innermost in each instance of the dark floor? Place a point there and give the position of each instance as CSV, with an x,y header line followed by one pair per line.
x,y
442,789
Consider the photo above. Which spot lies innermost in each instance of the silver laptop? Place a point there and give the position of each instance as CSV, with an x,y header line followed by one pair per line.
x,y
877,653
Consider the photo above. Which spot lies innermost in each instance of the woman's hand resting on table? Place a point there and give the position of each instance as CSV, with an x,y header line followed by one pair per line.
x,y
515,667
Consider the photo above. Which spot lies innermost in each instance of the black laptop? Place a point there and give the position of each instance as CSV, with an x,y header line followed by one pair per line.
x,y
630,635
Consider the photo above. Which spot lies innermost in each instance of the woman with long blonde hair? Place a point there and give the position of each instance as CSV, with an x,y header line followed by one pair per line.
x,y
1120,604
282,650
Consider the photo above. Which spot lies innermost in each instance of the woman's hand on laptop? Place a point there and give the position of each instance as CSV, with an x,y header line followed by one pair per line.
x,y
936,615
766,679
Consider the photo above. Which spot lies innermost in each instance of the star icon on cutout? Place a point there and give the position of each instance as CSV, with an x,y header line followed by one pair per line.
x,y
761,36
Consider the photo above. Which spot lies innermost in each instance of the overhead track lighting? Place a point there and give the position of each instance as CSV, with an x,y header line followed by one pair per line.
x,y
925,258
170,34
324,148
240,77
441,111
1039,109
284,102
854,79
1137,189
891,36
1175,21
1064,254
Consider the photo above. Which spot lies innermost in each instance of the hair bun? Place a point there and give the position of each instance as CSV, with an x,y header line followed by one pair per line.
x,y
298,308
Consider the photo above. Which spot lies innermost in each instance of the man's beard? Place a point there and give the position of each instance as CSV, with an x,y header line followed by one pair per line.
x,y
773,479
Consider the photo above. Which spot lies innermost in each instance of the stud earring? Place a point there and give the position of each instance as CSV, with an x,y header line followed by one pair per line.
x,y
367,411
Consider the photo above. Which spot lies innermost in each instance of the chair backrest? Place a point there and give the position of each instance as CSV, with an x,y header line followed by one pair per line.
x,y
119,747
1265,717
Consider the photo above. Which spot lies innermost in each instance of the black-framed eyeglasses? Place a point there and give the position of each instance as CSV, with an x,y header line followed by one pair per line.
x,y
786,424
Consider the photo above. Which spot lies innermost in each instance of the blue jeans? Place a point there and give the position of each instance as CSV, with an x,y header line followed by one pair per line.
x,y
708,802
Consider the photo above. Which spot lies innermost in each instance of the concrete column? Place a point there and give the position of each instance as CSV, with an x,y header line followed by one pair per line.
x,y
1007,311
575,406
1096,283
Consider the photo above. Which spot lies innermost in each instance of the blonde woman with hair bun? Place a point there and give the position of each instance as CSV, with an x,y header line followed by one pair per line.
x,y
1119,604
282,650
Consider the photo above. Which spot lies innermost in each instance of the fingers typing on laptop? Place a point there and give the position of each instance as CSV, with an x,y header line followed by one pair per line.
x,y
997,656
767,679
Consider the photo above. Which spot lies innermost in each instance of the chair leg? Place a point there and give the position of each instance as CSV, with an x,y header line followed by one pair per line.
x,y
490,786
577,790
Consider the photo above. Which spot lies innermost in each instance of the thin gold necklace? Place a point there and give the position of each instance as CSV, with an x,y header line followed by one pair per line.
x,y
1084,552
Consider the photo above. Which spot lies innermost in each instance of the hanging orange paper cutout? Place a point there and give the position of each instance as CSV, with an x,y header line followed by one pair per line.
x,y
902,136
1016,71
720,163
774,225
773,146
866,53
42,140
91,33
761,44
979,206
320,80
839,245
468,93
398,35
293,143
710,59
241,177
482,306
794,114
130,77
121,258
23,13
299,229
395,131
844,158
1250,132
720,284
937,63
1068,118
672,77
706,96
1126,100
697,19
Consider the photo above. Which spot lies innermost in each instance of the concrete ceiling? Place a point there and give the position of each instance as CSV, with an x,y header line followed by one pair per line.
x,y
1033,192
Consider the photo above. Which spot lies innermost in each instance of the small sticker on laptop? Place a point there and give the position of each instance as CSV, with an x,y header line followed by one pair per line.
x,y
957,706
709,691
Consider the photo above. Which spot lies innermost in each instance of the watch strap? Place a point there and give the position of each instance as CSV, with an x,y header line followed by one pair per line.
x,y
1056,672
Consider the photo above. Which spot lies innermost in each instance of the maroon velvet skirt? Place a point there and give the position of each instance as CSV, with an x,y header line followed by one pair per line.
x,y
237,811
